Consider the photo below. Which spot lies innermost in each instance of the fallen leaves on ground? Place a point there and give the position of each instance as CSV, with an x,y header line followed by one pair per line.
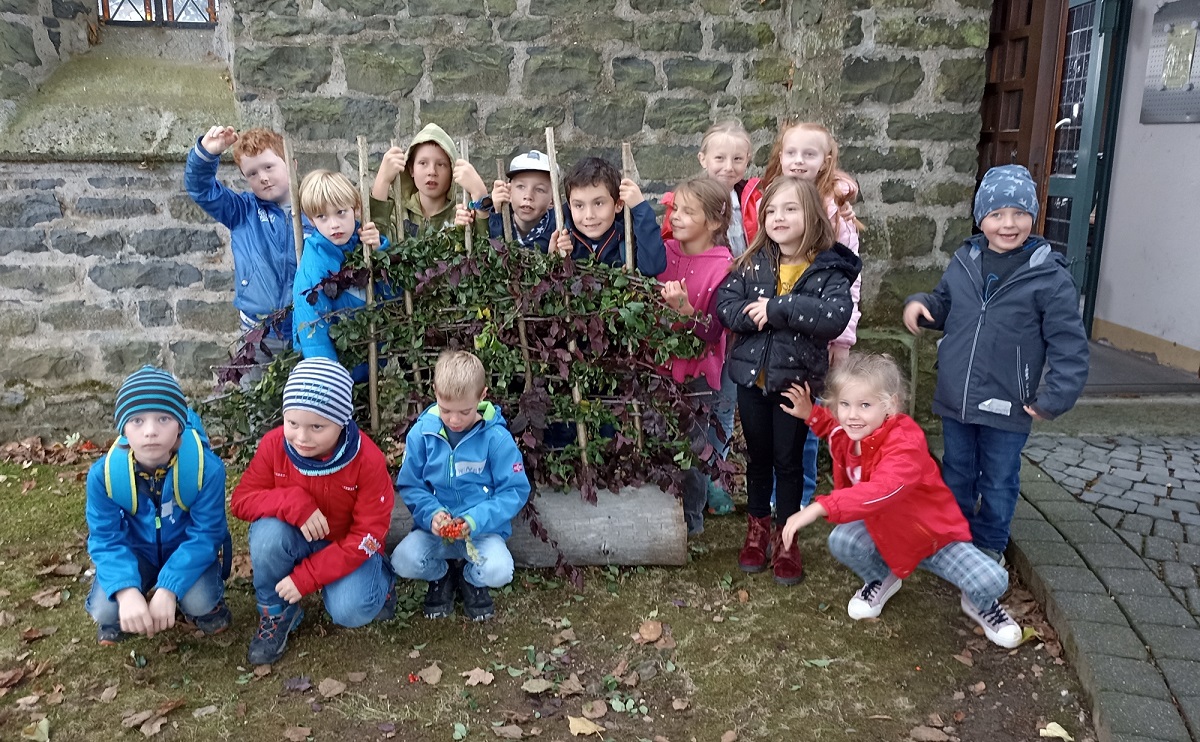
x,y
478,676
680,704
356,677
109,694
204,711
564,636
649,631
928,734
431,674
536,685
580,726
296,734
151,722
39,731
508,731
297,685
32,634
595,709
49,597
330,687
571,686
730,736
1053,729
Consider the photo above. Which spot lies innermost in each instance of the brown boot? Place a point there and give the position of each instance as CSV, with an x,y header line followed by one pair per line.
x,y
788,565
753,556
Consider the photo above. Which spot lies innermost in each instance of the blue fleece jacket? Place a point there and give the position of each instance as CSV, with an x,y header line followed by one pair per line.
x,y
260,236
610,248
991,357
180,544
321,257
481,480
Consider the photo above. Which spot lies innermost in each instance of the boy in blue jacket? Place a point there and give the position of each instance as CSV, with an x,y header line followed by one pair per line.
x,y
1007,306
259,222
464,481
333,205
156,517
595,226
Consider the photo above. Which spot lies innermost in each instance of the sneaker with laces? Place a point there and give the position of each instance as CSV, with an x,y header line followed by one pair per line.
x,y
275,623
108,636
870,600
215,621
439,597
477,601
998,626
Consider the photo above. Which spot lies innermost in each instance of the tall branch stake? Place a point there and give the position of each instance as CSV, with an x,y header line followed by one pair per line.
x,y
522,328
294,188
364,189
506,209
628,171
469,236
398,221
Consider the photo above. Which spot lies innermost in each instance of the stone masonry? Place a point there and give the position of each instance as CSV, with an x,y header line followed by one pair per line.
x,y
35,35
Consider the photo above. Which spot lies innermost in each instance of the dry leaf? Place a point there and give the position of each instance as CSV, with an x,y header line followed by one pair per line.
x,y
680,704
330,687
959,695
109,694
168,647
650,631
1036,670
1057,732
509,731
730,736
203,711
9,678
431,674
928,734
49,597
569,687
743,596
564,636
979,688
296,734
39,731
595,709
666,642
356,677
964,658
137,719
153,726
620,669
167,707
536,685
28,702
32,635
7,619
935,720
55,697
261,671
478,676
633,679
580,726
959,716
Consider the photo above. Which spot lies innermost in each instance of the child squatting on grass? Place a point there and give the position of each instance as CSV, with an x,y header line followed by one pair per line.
x,y
463,479
156,517
893,509
318,497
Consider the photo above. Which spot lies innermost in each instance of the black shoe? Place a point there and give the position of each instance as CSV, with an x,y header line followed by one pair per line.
x,y
477,601
388,611
439,598
275,623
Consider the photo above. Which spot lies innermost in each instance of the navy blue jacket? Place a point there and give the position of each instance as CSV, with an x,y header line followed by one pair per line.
x,y
991,358
610,248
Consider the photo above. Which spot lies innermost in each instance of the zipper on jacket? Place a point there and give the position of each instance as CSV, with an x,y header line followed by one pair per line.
x,y
1020,377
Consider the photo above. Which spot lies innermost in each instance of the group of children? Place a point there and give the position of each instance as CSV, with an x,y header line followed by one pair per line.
x,y
767,270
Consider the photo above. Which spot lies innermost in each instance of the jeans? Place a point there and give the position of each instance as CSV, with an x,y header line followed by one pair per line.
x,y
277,547
695,482
724,407
423,556
199,600
963,565
812,445
982,467
774,453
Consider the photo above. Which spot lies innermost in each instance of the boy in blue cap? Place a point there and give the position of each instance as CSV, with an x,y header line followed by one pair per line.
x,y
1008,307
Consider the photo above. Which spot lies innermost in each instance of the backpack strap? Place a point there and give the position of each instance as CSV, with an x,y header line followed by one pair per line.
x,y
119,479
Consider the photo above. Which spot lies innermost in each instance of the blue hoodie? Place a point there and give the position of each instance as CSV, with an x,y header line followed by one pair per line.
x,y
991,357
260,236
610,248
481,480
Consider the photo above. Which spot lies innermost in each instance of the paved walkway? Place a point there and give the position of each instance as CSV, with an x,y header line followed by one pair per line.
x,y
1107,535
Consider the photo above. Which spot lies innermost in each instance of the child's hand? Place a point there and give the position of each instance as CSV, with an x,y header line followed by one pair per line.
x,y
467,177
757,311
799,520
218,139
287,590
631,195
801,399
1033,413
134,613
500,194
837,354
674,293
162,609
441,519
463,217
913,311
562,244
316,527
369,235
390,166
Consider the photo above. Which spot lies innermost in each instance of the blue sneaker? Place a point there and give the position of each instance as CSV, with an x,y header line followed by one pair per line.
x,y
108,636
274,625
215,621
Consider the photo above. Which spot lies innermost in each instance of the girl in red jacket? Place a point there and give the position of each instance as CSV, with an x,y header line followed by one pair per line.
x,y
319,500
893,509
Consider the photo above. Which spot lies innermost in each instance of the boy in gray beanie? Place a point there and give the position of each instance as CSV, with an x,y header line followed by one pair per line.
x,y
1008,308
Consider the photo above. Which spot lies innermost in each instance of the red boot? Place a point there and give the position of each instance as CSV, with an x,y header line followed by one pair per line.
x,y
788,565
753,556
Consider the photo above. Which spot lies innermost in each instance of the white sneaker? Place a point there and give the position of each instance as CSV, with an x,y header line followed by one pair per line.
x,y
998,626
869,601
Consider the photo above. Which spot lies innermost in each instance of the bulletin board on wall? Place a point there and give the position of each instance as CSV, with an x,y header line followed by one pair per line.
x,y
1172,91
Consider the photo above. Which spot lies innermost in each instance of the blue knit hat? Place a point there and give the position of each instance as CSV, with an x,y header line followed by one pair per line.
x,y
1004,186
150,389
322,386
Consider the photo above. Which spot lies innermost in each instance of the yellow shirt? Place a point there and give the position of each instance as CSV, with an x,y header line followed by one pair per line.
x,y
789,273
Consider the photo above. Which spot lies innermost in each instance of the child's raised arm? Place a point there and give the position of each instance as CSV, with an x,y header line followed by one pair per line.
x,y
218,139
390,166
468,177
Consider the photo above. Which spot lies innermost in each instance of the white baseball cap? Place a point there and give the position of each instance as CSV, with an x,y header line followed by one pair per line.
x,y
531,160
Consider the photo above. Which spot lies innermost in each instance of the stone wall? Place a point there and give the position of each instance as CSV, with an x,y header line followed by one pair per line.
x,y
35,35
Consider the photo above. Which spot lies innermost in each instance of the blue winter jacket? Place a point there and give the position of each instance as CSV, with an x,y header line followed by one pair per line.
x,y
260,236
321,257
991,357
179,544
482,480
651,255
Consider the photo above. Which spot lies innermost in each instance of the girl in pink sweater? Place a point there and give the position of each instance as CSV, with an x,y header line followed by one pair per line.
x,y
697,262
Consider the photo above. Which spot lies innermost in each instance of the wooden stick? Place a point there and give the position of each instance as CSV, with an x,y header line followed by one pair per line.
x,y
627,172
506,209
372,349
469,236
398,221
572,346
294,186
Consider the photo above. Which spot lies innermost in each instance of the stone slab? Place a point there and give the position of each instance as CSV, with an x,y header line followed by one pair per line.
x,y
1128,714
1146,611
1123,675
1099,639
1134,582
1171,642
1183,676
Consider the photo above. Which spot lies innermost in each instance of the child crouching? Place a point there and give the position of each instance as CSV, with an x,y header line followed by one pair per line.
x,y
464,480
893,509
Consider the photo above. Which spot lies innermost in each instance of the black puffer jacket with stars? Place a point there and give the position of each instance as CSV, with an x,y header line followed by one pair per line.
x,y
800,324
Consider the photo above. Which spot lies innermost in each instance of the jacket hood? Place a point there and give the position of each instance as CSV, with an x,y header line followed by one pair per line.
x,y
1043,256
839,257
431,133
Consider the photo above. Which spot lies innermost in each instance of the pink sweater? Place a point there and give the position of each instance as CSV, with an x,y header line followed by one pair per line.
x,y
702,273
847,234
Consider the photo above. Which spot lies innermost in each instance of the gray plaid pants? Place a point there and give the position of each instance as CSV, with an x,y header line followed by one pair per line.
x,y
980,578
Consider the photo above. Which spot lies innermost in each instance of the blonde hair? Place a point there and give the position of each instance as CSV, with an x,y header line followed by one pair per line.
x,y
459,375
818,232
322,190
879,370
730,128
713,200
827,177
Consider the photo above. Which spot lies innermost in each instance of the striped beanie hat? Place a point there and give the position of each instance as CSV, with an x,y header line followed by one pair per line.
x,y
150,389
322,386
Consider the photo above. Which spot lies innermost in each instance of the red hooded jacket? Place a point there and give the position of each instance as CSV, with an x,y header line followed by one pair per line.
x,y
357,502
907,508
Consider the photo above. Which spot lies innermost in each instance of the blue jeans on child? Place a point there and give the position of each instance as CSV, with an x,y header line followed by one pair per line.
x,y
982,467
199,600
277,547
961,564
423,556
